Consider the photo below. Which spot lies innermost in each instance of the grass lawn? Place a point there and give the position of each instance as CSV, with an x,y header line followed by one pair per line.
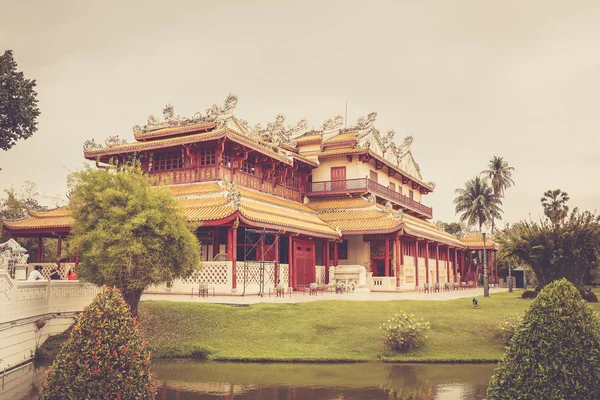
x,y
326,330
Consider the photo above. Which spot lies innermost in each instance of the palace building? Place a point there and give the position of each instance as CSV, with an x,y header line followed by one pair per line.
x,y
285,205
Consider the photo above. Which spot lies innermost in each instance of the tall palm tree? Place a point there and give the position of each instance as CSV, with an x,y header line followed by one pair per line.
x,y
477,202
555,205
500,175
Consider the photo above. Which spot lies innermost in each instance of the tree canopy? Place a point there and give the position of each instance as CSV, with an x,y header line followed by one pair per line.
x,y
554,352
127,232
500,176
555,205
18,103
476,203
568,250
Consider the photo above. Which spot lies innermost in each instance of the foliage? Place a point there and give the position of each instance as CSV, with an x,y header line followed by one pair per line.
x,y
476,203
568,250
555,205
128,233
507,328
18,103
404,332
529,294
454,228
500,175
104,357
555,353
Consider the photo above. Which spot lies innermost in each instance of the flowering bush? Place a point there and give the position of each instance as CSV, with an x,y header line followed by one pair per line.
x,y
507,328
104,357
404,331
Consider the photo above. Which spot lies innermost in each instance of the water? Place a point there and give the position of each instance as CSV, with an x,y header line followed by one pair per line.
x,y
195,380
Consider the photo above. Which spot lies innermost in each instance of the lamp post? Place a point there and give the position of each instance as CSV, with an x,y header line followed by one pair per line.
x,y
486,283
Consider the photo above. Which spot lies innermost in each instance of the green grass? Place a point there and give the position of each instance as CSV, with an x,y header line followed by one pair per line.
x,y
326,330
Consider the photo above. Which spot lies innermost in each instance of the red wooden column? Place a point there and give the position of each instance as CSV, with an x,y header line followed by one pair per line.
x,y
39,249
426,261
232,254
399,261
326,260
386,269
417,262
455,263
335,254
216,244
437,262
58,250
276,259
448,264
290,262
496,264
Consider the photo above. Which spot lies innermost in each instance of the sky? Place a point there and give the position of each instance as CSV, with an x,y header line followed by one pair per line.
x,y
468,79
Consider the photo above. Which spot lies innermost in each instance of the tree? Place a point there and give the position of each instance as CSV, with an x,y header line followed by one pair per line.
x,y
104,357
18,103
569,250
454,228
555,351
555,205
477,203
500,175
127,232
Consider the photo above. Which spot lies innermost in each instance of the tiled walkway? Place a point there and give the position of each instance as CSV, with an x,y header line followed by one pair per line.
x,y
300,297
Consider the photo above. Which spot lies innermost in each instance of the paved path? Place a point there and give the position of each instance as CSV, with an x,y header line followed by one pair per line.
x,y
301,298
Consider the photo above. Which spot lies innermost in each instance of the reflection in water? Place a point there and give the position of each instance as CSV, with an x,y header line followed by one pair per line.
x,y
186,380
193,380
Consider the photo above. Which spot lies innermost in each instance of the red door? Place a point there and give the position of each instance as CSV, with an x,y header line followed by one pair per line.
x,y
304,262
338,178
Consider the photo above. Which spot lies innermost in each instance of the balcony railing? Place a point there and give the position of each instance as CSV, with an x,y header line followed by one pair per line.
x,y
360,185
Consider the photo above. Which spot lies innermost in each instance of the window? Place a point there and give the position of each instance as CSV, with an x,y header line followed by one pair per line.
x,y
207,156
392,187
166,160
248,167
399,189
342,250
292,182
374,176
226,162
411,194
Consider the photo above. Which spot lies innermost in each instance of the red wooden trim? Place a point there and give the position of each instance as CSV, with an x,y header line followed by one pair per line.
x,y
417,262
455,261
335,254
291,274
399,256
448,264
326,260
437,262
426,262
386,269
276,257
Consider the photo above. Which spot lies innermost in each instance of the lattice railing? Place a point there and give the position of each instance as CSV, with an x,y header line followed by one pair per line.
x,y
212,273
320,274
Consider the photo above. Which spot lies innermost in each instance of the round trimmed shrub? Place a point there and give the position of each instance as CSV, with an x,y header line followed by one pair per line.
x,y
404,331
529,294
104,357
554,353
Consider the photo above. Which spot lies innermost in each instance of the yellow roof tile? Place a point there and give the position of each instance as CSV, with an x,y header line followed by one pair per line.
x,y
336,152
343,137
477,241
58,218
196,214
309,139
195,189
420,228
175,130
334,204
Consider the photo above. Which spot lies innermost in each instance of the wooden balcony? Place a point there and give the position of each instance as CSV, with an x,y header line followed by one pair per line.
x,y
362,185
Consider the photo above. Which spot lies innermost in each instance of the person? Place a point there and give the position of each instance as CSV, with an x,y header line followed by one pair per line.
x,y
36,274
55,273
72,275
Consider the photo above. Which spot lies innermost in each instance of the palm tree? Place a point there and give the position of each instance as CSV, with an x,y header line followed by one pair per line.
x,y
477,202
500,175
555,205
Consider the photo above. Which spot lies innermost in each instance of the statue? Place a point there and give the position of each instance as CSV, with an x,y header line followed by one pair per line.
x,y
91,145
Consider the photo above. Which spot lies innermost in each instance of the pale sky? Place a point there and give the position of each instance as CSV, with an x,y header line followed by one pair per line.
x,y
467,79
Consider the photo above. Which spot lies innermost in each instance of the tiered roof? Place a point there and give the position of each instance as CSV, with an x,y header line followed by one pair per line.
x,y
475,241
58,220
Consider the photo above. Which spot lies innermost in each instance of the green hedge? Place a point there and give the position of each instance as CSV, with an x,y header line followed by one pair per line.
x,y
555,351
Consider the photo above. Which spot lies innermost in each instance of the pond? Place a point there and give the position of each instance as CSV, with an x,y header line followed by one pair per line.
x,y
195,380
